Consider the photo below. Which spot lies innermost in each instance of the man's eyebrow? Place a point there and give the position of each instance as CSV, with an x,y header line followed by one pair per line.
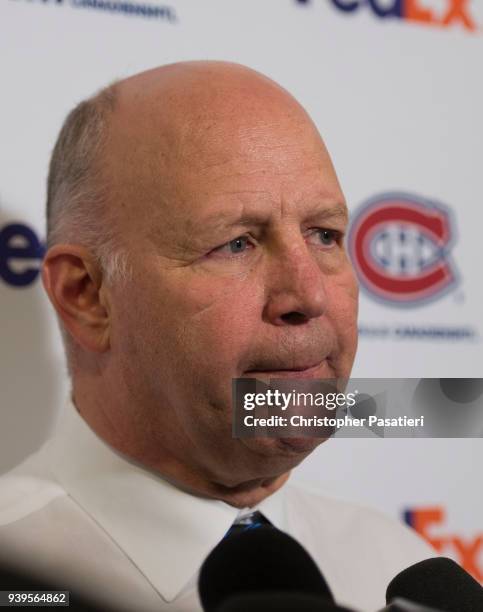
x,y
336,212
224,218
227,218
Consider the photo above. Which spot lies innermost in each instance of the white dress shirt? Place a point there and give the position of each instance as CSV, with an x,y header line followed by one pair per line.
x,y
88,518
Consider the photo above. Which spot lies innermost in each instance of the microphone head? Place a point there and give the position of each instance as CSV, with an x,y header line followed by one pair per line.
x,y
279,602
439,583
257,561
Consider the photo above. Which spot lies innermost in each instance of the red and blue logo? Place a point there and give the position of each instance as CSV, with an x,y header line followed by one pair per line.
x,y
400,247
444,14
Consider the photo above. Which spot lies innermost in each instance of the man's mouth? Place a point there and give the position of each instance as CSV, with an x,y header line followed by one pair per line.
x,y
299,372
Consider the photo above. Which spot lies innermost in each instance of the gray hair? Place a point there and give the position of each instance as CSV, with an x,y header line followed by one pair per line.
x,y
76,194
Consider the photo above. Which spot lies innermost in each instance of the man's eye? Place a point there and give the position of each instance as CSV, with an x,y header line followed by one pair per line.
x,y
325,237
238,245
234,247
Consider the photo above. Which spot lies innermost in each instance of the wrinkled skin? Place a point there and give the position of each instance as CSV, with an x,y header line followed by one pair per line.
x,y
231,212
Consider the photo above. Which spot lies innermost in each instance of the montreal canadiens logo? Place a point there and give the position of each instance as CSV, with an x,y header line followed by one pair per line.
x,y
399,245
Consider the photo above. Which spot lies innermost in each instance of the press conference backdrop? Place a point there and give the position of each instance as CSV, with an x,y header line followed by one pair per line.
x,y
395,88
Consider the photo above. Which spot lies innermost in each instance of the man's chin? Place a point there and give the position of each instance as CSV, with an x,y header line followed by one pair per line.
x,y
289,447
302,445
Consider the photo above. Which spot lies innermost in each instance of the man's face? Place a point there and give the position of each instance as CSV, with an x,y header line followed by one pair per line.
x,y
239,269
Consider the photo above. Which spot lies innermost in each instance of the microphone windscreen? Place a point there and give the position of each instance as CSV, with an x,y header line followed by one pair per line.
x,y
279,602
439,583
257,560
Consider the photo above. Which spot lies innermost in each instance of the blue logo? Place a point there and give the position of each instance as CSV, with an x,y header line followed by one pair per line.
x,y
19,243
123,7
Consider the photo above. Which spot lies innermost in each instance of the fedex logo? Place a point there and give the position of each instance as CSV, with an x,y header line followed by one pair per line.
x,y
443,13
467,551
20,254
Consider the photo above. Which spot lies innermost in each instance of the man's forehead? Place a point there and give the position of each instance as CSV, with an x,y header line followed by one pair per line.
x,y
196,140
220,212
190,103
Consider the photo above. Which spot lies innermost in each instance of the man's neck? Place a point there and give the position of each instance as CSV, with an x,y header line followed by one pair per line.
x,y
243,494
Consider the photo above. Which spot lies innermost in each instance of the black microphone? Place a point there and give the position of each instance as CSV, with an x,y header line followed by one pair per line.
x,y
277,601
256,562
436,583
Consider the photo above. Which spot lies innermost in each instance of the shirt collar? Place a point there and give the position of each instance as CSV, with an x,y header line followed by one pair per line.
x,y
166,532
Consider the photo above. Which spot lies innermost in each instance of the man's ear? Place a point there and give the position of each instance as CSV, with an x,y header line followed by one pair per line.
x,y
73,281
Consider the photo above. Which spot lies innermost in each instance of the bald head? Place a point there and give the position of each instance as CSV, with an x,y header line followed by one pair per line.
x,y
135,133
187,99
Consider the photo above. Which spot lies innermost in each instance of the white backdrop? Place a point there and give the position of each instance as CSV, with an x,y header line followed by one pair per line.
x,y
398,102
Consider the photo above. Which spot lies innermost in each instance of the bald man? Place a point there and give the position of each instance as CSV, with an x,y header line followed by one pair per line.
x,y
195,233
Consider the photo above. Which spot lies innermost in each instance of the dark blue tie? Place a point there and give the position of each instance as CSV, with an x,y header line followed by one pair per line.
x,y
254,520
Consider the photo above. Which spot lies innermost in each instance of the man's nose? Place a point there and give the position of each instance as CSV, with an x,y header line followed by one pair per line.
x,y
296,287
